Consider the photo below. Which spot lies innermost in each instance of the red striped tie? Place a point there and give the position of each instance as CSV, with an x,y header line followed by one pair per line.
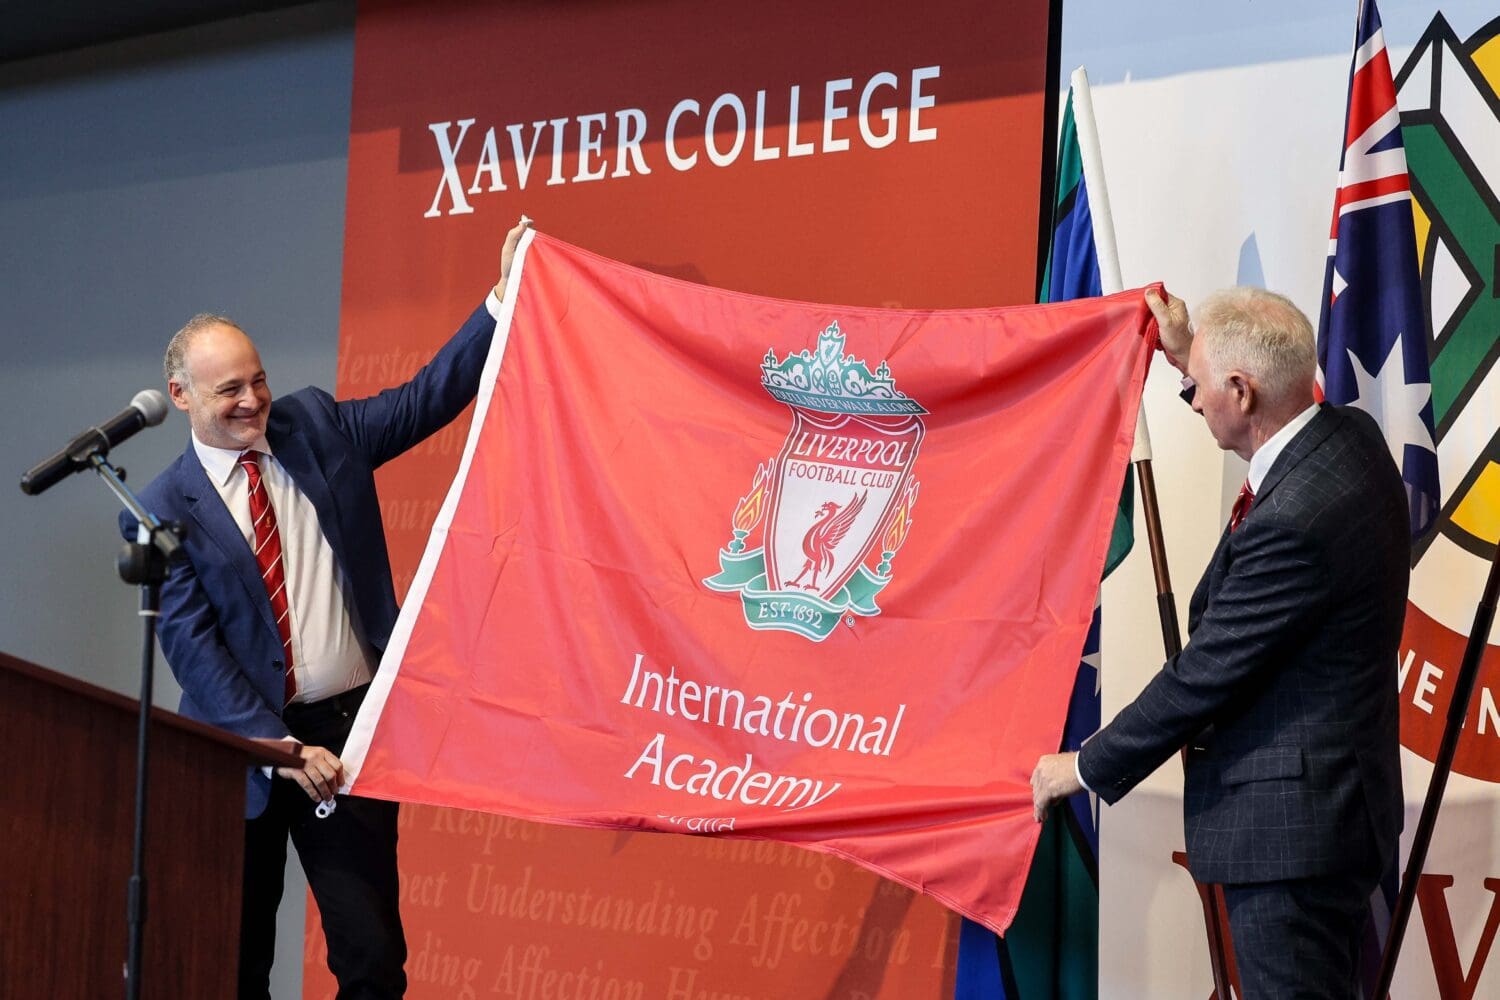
x,y
1241,506
268,558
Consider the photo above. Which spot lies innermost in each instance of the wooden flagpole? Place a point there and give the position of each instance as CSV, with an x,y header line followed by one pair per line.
x,y
1110,281
1442,766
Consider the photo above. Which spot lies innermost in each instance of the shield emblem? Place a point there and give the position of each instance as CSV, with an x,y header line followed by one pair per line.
x,y
840,487
840,478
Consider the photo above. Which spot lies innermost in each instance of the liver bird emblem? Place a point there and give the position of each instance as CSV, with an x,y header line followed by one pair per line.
x,y
830,525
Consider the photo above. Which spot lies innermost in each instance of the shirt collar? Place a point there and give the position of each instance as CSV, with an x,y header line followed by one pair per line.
x,y
220,463
1265,456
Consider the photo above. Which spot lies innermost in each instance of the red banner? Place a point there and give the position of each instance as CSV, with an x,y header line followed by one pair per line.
x,y
723,564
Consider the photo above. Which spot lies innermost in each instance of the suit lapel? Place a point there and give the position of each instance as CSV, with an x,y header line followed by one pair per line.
x,y
1296,450
215,523
1199,600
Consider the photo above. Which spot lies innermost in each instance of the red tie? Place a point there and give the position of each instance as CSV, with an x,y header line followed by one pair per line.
x,y
1241,506
268,558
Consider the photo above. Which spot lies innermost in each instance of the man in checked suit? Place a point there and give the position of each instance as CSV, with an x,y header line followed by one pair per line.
x,y
275,621
1285,696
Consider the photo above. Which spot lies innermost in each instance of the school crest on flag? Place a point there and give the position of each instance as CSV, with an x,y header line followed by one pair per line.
x,y
840,489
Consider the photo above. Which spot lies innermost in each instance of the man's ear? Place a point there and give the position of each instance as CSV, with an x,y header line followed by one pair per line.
x,y
1244,390
179,394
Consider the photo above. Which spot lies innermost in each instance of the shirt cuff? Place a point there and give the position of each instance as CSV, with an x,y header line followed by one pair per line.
x,y
1078,773
290,741
492,303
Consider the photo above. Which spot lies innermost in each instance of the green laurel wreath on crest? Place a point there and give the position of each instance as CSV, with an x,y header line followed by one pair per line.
x,y
804,614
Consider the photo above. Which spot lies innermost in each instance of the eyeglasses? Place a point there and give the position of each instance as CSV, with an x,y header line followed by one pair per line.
x,y
1189,388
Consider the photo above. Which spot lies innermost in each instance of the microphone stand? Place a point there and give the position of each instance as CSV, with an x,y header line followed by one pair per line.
x,y
145,562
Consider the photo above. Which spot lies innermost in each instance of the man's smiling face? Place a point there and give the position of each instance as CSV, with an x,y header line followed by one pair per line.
x,y
225,396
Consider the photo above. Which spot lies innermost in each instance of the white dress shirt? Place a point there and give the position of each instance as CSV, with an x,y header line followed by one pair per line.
x,y
329,655
1266,455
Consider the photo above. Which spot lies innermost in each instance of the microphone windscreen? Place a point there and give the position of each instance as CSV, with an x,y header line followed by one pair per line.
x,y
152,404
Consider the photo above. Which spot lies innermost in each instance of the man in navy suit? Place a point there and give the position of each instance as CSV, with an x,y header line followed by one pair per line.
x,y
1285,696
274,622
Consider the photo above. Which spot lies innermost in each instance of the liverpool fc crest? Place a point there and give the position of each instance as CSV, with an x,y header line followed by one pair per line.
x,y
840,490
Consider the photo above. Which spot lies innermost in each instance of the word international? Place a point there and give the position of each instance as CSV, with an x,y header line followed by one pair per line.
x,y
787,720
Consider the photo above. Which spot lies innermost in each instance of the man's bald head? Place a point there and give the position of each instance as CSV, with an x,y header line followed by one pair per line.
x,y
174,364
214,375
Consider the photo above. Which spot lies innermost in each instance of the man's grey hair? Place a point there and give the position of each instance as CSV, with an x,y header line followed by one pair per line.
x,y
1262,334
174,365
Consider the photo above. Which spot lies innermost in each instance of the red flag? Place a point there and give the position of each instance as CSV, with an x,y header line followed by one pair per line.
x,y
716,563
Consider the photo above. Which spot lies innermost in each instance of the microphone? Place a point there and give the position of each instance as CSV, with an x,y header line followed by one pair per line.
x,y
147,409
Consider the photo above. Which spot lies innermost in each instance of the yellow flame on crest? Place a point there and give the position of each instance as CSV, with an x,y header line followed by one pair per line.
x,y
748,511
895,535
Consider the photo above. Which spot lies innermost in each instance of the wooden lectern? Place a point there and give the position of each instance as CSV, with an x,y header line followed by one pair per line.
x,y
67,816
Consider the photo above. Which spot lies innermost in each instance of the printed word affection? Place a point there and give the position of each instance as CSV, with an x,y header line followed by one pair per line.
x,y
600,145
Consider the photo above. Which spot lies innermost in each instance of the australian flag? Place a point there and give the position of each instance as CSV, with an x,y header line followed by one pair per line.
x,y
1372,335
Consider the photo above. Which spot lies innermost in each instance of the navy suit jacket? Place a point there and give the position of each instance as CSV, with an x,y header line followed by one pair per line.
x,y
216,627
1286,692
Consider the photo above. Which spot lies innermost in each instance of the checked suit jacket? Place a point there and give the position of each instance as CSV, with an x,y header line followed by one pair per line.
x,y
1285,695
217,630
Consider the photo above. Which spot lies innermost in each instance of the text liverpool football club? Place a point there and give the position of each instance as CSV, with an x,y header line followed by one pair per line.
x,y
790,719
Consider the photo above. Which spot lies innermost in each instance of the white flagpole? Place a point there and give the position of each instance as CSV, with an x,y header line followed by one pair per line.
x,y
1104,223
1110,282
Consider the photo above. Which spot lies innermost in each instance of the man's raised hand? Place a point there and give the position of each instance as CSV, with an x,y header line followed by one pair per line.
x,y
1172,320
508,253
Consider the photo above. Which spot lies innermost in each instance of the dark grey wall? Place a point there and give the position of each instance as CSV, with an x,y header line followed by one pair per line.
x,y
141,182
